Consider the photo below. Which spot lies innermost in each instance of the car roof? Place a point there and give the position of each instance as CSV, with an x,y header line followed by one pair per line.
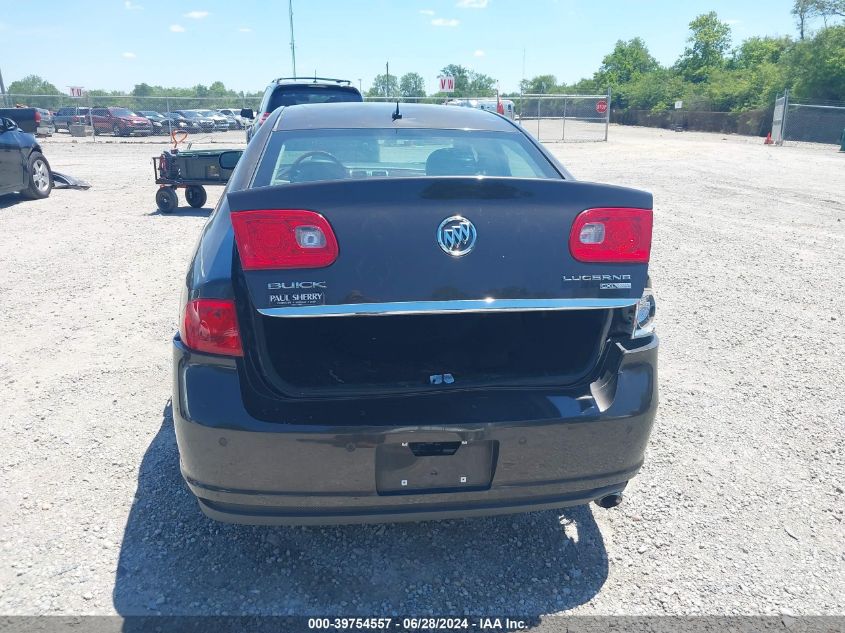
x,y
380,115
299,81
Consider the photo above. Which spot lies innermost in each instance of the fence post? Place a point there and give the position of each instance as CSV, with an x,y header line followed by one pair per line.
x,y
91,119
538,118
607,115
563,127
785,112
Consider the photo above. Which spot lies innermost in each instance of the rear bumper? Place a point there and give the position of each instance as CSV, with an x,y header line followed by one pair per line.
x,y
553,448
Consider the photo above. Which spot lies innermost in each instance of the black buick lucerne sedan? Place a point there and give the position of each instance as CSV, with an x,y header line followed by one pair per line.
x,y
412,312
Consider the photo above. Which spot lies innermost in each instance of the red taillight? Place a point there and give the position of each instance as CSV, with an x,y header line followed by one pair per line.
x,y
286,238
612,235
37,116
263,118
211,325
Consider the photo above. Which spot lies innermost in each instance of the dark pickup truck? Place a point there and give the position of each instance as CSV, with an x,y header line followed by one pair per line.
x,y
27,119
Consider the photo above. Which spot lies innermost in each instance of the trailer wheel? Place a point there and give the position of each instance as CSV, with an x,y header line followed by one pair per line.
x,y
195,195
167,200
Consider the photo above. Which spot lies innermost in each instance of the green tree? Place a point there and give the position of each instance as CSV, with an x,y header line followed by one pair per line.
x,y
539,85
412,85
807,10
481,85
627,60
816,66
143,90
709,41
35,85
804,11
756,51
461,76
469,83
384,86
831,8
657,90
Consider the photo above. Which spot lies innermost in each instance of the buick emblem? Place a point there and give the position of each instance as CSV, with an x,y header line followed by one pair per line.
x,y
456,236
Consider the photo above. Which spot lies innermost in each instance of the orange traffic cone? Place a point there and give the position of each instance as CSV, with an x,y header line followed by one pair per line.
x,y
768,140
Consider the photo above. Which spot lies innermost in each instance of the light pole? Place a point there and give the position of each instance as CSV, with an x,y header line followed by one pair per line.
x,y
3,90
292,46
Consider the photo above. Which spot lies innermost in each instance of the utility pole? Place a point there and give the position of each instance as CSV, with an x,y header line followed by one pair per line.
x,y
292,45
386,79
2,90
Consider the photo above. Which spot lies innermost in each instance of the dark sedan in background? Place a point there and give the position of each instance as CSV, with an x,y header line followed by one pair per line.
x,y
410,312
23,168
203,123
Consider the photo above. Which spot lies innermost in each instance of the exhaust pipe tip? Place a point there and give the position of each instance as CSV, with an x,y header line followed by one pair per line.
x,y
610,501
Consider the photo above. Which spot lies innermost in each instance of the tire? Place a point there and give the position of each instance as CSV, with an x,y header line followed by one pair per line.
x,y
40,177
167,200
116,130
196,196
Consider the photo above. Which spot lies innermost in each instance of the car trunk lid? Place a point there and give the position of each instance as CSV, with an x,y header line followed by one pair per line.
x,y
390,258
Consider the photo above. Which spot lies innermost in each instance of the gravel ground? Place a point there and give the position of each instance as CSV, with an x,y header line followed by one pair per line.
x,y
738,509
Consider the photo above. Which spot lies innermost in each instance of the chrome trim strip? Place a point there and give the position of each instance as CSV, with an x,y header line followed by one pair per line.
x,y
445,307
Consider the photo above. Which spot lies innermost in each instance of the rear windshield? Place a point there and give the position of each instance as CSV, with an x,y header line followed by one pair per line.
x,y
308,155
296,96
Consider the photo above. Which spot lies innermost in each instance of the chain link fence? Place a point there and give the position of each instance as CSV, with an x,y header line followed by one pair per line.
x,y
750,123
550,118
822,122
565,118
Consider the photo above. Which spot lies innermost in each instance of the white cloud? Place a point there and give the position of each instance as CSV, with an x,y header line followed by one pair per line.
x,y
445,22
129,55
245,29
478,53
196,15
177,28
472,4
426,12
131,6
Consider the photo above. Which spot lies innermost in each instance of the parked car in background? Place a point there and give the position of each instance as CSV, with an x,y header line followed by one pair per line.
x,y
120,122
221,122
159,123
240,122
27,119
204,123
46,125
69,115
179,121
23,167
288,91
392,319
